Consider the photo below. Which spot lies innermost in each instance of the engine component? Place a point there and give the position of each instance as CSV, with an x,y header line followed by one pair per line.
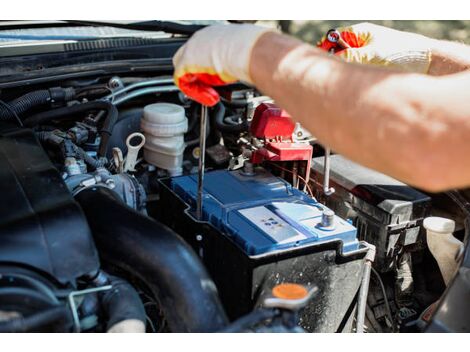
x,y
28,302
258,231
219,118
118,160
126,186
386,212
219,154
106,130
41,227
128,122
164,125
75,158
140,88
158,257
275,128
134,142
279,311
19,106
124,309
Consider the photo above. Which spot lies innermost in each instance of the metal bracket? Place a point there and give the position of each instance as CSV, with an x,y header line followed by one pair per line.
x,y
73,306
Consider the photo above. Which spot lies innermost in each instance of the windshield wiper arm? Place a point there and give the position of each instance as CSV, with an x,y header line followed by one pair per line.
x,y
164,26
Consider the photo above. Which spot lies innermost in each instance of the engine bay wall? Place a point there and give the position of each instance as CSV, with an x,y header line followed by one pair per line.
x,y
41,225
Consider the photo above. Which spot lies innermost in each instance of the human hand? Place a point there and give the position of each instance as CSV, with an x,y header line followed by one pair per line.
x,y
215,56
377,45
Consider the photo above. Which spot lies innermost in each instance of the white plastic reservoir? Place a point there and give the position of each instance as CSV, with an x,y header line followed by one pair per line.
x,y
164,126
443,245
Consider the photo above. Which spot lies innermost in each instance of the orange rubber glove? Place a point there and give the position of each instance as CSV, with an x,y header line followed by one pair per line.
x,y
215,56
378,45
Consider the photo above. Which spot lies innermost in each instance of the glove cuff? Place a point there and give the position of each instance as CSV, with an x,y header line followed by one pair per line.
x,y
412,61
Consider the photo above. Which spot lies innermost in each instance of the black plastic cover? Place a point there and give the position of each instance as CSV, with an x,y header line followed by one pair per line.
x,y
400,201
41,226
387,212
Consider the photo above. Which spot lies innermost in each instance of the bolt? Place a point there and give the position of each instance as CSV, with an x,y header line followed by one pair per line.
x,y
110,183
248,169
88,182
115,83
328,218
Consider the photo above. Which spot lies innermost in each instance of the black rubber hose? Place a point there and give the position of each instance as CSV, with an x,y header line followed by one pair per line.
x,y
194,111
460,200
151,252
52,138
38,321
219,115
121,303
106,130
192,123
34,99
247,322
236,103
88,159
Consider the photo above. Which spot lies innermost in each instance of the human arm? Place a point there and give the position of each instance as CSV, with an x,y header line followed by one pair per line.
x,y
412,127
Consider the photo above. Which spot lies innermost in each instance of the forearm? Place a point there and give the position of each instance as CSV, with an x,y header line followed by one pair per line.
x,y
373,116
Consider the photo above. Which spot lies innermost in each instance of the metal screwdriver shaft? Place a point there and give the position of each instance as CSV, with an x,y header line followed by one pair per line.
x,y
334,37
327,190
202,155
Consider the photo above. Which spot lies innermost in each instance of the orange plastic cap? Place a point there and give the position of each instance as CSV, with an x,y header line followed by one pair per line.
x,y
289,291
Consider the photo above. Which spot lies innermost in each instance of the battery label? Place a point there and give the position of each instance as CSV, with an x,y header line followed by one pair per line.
x,y
272,225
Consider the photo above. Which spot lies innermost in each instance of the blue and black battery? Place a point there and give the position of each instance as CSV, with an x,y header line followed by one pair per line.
x,y
258,231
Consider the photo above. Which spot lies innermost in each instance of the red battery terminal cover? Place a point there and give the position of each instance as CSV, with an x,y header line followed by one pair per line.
x,y
270,122
274,125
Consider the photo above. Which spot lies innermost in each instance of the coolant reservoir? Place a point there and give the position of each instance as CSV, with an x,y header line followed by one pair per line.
x,y
164,126
443,245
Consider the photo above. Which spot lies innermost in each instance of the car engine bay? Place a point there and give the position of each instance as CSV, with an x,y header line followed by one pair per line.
x,y
107,226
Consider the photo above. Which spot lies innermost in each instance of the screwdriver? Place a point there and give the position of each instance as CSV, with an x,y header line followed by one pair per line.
x,y
334,37
202,155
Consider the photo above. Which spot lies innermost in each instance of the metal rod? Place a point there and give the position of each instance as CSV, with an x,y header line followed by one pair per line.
x,y
295,179
202,157
144,91
364,289
327,190
140,84
73,306
362,298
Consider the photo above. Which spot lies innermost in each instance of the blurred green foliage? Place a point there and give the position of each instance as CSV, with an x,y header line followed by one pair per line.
x,y
312,31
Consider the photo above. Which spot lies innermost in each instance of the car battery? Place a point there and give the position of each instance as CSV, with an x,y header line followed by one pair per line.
x,y
387,212
258,231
